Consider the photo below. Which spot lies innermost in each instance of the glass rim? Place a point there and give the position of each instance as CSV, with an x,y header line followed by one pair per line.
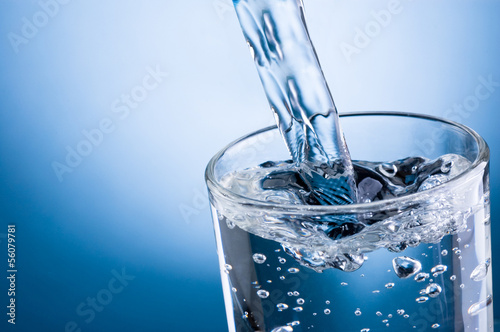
x,y
214,185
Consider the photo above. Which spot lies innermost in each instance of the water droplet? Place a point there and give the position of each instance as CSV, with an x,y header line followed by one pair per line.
x,y
283,329
438,269
298,309
344,284
357,312
327,311
480,271
453,277
263,294
406,266
479,306
400,312
420,277
281,306
444,252
422,299
293,270
282,260
378,313
259,258
433,290
435,326
389,285
300,301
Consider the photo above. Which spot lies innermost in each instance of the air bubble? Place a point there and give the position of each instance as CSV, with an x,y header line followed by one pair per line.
x,y
480,271
479,306
262,293
433,290
365,330
444,252
422,299
281,306
283,329
453,277
327,311
389,285
400,312
358,312
378,313
293,270
344,284
300,301
420,277
438,269
282,260
259,258
435,326
298,309
227,268
405,267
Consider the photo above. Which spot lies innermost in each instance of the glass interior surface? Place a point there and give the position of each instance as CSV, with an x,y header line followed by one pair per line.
x,y
418,262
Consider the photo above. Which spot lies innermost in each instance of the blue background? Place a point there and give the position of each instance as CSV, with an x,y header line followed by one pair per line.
x,y
136,204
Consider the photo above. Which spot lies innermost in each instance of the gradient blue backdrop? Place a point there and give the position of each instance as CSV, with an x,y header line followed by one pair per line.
x,y
136,204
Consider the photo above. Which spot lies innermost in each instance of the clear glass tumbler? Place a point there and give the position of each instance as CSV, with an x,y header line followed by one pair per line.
x,y
421,262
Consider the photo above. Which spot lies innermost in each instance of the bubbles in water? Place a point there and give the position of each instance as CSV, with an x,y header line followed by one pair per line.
x,y
388,169
476,308
293,270
435,326
262,293
298,309
400,312
358,312
439,269
378,313
294,323
290,293
389,285
422,276
227,268
365,330
480,271
343,283
283,329
453,277
281,306
259,258
422,299
444,252
300,301
433,290
234,289
282,260
327,311
405,267
295,293
327,302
